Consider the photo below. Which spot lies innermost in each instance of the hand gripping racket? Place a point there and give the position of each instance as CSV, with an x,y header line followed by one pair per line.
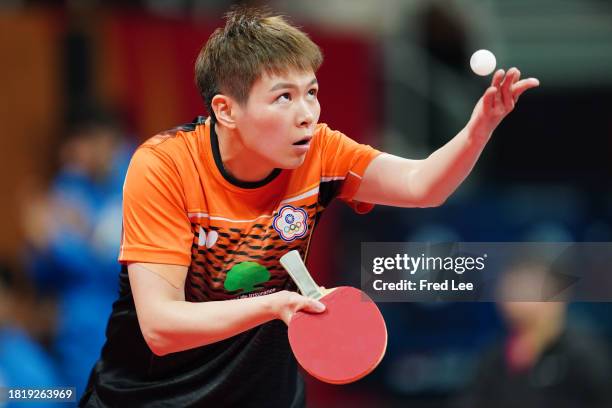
x,y
345,342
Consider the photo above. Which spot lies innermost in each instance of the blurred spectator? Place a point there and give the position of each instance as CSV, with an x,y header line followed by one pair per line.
x,y
541,362
23,362
74,233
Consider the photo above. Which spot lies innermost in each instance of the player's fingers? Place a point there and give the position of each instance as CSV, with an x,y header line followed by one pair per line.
x,y
306,304
488,99
516,77
506,94
509,79
312,306
293,302
497,78
522,86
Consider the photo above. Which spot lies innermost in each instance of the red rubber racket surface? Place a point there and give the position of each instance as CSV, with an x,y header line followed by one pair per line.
x,y
345,342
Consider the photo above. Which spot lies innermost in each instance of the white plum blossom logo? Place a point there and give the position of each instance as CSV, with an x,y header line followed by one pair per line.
x,y
291,223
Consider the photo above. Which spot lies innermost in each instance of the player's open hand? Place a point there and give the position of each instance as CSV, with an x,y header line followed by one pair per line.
x,y
499,99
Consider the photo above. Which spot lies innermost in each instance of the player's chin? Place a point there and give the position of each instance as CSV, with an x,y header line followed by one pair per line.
x,y
292,162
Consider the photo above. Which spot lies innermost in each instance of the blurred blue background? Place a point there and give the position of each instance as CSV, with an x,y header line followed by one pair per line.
x,y
85,82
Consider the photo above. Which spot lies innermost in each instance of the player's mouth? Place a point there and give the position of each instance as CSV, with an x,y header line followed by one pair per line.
x,y
304,141
303,144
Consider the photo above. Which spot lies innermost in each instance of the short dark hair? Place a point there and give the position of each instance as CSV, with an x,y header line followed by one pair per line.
x,y
251,42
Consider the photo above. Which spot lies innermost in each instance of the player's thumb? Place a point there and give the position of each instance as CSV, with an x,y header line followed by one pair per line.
x,y
312,306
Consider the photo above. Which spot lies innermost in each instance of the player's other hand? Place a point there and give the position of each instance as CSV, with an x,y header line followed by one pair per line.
x,y
499,100
290,302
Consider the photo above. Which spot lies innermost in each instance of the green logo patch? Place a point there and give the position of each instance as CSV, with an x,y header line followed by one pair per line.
x,y
246,276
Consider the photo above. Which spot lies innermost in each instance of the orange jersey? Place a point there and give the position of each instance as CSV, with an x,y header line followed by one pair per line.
x,y
181,207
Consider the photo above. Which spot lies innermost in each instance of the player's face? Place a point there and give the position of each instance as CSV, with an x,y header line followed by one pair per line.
x,y
278,121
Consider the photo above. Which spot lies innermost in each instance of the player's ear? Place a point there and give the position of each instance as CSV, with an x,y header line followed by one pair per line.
x,y
223,106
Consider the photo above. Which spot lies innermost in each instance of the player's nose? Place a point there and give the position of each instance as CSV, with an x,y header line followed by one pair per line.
x,y
306,115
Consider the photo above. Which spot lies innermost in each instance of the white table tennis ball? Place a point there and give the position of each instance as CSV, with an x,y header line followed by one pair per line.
x,y
483,62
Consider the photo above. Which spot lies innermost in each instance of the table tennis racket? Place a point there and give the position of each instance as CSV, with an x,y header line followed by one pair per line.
x,y
345,342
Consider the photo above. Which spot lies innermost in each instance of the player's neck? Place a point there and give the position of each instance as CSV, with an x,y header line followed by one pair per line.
x,y
239,161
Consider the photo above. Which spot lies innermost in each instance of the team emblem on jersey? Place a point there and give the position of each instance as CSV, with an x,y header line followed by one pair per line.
x,y
291,223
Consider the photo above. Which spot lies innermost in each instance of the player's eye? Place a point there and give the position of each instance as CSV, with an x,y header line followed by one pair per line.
x,y
313,92
284,97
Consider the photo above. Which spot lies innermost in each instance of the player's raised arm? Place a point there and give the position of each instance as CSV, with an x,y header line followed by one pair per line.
x,y
392,180
170,324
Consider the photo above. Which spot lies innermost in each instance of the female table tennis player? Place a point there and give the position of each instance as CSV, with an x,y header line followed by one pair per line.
x,y
210,207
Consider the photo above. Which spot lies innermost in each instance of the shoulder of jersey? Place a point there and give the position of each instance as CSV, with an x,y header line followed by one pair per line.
x,y
170,138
